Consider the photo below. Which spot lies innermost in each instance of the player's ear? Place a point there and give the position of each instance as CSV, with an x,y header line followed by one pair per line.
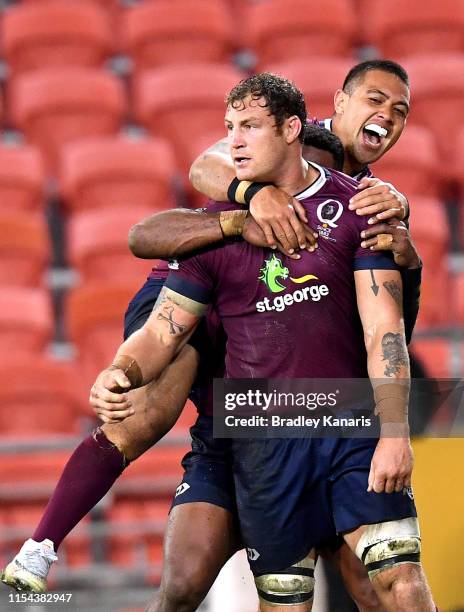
x,y
292,128
340,99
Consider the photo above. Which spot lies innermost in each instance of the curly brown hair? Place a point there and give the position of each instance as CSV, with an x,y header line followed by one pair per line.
x,y
281,96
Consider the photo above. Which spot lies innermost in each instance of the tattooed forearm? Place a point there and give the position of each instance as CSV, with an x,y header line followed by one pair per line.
x,y
394,353
166,315
374,286
394,289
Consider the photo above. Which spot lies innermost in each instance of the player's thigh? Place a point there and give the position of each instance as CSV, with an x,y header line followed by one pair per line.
x,y
157,407
199,539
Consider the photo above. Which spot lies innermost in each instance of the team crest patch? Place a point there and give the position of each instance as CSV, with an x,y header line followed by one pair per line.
x,y
329,211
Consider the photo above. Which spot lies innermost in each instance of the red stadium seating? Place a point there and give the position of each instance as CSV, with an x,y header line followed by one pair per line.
x,y
38,396
437,85
21,178
97,242
414,27
435,354
54,34
111,172
94,315
24,249
413,164
318,81
430,233
180,103
54,107
138,535
169,32
285,30
26,320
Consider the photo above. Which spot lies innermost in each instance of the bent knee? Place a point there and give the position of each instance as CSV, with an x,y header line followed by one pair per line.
x,y
184,589
401,579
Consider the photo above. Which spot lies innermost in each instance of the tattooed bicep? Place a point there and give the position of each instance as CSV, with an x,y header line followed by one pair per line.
x,y
169,297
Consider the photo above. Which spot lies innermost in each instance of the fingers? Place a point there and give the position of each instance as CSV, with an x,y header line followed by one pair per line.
x,y
299,231
384,228
113,416
299,209
368,182
291,255
371,478
388,214
115,380
268,233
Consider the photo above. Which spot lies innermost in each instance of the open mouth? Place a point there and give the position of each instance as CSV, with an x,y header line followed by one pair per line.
x,y
240,161
373,135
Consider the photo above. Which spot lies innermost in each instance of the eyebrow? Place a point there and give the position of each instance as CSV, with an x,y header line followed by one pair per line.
x,y
243,120
382,93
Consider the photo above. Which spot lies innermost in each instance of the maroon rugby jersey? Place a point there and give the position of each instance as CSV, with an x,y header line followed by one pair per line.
x,y
289,318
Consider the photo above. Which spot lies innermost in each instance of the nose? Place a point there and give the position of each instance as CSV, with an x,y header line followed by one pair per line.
x,y
386,113
236,138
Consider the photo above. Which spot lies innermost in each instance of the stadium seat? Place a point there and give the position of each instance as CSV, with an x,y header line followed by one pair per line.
x,y
430,234
414,27
97,243
38,396
156,474
21,178
413,164
54,107
170,32
94,317
437,85
25,248
26,320
55,34
317,80
285,30
110,172
137,535
435,354
180,103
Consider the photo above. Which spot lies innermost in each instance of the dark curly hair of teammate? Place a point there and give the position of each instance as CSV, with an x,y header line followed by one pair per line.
x,y
281,96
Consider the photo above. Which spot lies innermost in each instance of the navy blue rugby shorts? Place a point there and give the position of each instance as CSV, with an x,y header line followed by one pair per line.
x,y
294,494
208,475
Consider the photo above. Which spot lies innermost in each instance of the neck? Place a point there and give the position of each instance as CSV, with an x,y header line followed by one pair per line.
x,y
295,176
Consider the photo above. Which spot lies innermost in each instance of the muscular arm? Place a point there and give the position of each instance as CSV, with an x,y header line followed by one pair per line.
x,y
174,233
379,296
212,172
143,356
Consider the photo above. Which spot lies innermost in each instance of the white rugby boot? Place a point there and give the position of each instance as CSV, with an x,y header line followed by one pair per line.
x,y
29,569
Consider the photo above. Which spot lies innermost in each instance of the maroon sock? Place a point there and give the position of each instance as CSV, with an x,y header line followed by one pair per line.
x,y
89,474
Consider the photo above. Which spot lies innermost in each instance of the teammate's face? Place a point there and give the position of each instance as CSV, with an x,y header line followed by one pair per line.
x,y
258,148
370,119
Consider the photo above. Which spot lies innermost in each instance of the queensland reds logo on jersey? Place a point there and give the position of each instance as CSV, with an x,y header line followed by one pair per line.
x,y
328,212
